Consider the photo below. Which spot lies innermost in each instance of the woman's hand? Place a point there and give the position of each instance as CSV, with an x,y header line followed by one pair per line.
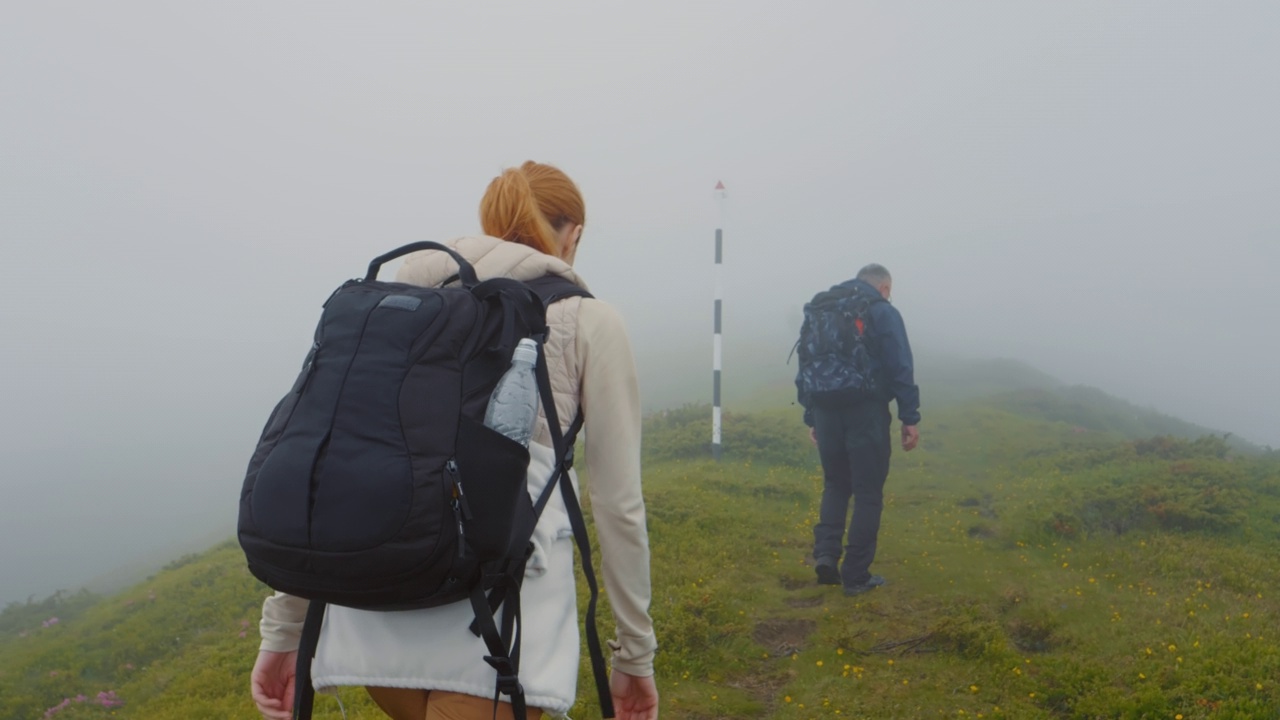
x,y
634,698
272,683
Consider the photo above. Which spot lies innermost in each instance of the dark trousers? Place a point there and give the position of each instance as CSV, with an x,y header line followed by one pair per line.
x,y
853,443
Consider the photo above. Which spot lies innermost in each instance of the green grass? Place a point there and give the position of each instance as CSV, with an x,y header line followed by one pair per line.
x,y
992,610
1037,569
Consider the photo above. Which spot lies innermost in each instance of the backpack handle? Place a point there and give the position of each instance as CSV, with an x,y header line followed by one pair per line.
x,y
466,272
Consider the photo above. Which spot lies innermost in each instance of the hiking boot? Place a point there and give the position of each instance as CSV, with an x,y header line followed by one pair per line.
x,y
828,573
872,583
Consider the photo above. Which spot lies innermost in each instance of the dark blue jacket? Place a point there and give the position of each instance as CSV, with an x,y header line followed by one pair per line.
x,y
891,359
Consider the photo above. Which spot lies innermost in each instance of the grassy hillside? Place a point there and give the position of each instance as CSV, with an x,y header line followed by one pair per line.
x,y
1093,409
1036,572
1010,385
1038,568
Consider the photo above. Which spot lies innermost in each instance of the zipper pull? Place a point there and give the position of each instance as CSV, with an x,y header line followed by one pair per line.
x,y
458,504
308,369
459,496
340,288
462,533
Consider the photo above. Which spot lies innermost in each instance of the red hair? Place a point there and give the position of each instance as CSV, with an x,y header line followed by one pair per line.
x,y
530,205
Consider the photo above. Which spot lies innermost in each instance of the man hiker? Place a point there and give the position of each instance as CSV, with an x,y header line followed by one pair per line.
x,y
854,358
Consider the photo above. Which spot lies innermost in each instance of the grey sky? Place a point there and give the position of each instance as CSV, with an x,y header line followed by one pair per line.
x,y
1088,186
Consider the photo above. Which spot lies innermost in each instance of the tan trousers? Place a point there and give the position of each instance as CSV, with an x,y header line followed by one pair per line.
x,y
409,704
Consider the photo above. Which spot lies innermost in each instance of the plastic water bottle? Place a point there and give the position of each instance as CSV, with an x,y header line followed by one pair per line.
x,y
513,407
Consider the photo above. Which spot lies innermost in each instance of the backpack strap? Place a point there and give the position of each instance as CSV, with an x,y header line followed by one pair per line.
x,y
564,462
556,287
504,656
580,536
552,288
504,644
303,693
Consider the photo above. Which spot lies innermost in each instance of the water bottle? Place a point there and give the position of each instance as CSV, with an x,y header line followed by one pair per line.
x,y
513,407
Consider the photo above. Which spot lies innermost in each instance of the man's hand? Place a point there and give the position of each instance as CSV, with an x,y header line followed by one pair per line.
x,y
910,437
272,683
813,436
634,698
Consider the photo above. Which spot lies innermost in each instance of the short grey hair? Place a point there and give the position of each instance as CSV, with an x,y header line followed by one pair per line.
x,y
875,274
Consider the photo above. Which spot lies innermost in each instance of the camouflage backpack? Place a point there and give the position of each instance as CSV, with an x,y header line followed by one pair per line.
x,y
834,347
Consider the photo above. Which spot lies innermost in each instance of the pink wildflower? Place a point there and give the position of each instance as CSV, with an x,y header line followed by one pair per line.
x,y
66,702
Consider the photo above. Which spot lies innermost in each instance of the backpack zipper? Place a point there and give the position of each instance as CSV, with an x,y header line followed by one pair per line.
x,y
459,505
309,370
340,288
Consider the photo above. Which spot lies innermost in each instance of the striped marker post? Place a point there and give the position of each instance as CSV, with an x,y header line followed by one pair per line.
x,y
716,352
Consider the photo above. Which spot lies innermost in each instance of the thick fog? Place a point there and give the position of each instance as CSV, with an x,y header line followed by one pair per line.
x,y
1090,187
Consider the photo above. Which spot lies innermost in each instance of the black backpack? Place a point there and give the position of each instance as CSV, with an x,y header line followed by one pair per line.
x,y
376,484
835,348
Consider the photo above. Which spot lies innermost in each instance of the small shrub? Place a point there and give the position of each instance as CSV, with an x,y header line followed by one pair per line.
x,y
1171,448
1196,491
969,636
1034,631
982,530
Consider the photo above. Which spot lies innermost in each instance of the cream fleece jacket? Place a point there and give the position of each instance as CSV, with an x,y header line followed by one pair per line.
x,y
592,367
